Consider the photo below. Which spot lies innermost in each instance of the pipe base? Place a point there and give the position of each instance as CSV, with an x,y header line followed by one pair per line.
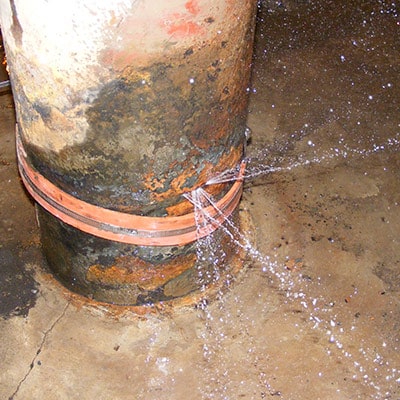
x,y
141,276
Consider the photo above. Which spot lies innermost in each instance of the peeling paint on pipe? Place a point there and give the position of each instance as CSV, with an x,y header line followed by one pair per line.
x,y
127,105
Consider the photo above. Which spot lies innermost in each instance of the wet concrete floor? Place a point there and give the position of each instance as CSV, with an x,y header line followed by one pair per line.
x,y
315,314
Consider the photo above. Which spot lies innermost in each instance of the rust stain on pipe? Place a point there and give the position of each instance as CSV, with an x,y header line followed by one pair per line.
x,y
134,271
145,104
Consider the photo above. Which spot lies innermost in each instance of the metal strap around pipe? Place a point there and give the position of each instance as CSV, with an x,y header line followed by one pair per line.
x,y
124,227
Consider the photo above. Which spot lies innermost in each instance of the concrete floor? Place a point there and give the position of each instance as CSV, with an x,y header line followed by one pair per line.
x,y
315,313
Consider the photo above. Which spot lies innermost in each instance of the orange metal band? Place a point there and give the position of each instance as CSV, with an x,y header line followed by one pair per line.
x,y
123,227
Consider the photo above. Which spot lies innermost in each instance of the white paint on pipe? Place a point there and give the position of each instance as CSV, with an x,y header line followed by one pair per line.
x,y
56,61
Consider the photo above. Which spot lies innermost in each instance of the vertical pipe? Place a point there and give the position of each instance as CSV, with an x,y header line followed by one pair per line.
x,y
122,108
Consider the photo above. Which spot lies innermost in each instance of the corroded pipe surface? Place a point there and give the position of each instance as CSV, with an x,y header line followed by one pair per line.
x,y
128,105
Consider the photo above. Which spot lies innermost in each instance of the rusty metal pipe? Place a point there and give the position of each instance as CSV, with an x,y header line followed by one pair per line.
x,y
122,108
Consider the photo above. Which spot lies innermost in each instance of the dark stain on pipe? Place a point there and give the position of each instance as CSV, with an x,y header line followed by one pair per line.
x,y
16,27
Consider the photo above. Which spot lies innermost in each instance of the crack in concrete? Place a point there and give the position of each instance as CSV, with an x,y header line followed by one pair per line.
x,y
42,343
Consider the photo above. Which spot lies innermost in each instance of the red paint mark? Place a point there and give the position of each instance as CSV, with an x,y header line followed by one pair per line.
x,y
184,24
176,16
184,28
192,7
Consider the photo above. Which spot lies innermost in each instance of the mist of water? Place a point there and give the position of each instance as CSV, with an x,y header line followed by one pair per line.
x,y
366,364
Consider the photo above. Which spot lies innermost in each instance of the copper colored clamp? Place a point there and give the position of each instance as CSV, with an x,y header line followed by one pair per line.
x,y
124,227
